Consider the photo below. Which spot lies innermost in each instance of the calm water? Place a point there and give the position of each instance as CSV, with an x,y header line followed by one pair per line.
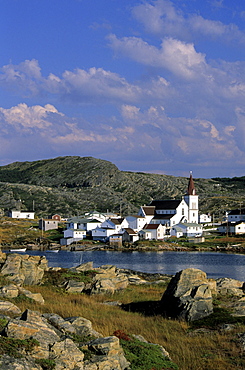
x,y
214,264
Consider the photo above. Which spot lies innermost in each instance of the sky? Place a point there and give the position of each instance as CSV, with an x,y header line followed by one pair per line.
x,y
152,86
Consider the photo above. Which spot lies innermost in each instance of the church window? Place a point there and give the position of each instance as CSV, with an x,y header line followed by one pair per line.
x,y
194,205
183,211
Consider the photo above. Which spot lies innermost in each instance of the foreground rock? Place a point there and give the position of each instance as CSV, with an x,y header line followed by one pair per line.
x,y
188,296
55,342
70,344
23,269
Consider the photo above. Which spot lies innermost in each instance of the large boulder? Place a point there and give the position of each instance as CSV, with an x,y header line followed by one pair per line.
x,y
108,279
24,269
188,296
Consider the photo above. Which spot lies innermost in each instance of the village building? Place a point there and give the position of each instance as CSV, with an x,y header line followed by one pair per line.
x,y
187,229
21,214
205,219
234,228
153,232
136,222
236,215
147,212
173,214
48,224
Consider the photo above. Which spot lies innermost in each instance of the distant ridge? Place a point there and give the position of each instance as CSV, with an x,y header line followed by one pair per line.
x,y
73,185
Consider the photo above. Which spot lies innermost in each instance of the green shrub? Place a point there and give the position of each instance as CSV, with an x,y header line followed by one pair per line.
x,y
16,347
218,317
46,364
57,278
144,356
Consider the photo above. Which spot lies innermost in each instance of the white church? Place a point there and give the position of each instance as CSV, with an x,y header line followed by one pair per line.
x,y
180,217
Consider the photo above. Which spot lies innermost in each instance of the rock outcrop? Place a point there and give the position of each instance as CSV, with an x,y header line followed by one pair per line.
x,y
55,342
24,269
188,296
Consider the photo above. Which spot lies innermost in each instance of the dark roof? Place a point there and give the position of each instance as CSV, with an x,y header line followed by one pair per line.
x,y
237,212
163,217
116,221
151,226
130,231
149,210
165,204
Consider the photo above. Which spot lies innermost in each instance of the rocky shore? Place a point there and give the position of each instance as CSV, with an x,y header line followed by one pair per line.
x,y
71,343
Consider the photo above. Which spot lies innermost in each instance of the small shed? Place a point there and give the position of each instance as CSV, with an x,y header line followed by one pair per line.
x,y
48,224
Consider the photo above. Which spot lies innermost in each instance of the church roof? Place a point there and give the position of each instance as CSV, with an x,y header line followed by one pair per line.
x,y
165,204
149,210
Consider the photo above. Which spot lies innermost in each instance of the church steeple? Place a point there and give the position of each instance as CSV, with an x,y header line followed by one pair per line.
x,y
191,187
191,199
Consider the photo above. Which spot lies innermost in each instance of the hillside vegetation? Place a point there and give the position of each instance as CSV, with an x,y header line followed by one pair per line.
x,y
73,185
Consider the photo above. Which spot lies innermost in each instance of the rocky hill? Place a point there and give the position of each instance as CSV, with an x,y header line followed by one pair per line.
x,y
74,185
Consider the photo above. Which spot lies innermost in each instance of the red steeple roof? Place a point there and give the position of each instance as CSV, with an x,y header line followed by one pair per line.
x,y
191,187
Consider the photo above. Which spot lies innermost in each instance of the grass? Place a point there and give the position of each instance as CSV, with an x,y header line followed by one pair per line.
x,y
188,348
16,347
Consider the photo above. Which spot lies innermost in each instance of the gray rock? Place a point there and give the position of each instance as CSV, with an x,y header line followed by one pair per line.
x,y
9,291
188,296
83,267
59,323
66,355
11,363
107,353
239,307
108,280
83,327
9,308
33,325
24,269
73,286
37,297
230,286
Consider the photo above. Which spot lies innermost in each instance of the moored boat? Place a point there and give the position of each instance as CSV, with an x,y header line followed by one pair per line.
x,y
18,250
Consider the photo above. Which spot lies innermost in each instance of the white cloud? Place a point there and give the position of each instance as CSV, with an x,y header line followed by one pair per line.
x,y
178,57
22,117
164,18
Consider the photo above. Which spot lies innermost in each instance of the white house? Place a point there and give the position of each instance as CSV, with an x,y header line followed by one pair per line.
x,y
129,235
87,223
136,222
187,229
205,219
147,212
153,231
102,234
236,215
108,228
232,228
21,214
72,235
48,224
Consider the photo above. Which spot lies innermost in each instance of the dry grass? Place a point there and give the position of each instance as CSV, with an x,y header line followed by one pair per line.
x,y
204,351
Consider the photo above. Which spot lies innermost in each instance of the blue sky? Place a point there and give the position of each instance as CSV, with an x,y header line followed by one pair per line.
x,y
153,86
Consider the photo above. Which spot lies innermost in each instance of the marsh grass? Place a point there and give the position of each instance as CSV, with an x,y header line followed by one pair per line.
x,y
188,348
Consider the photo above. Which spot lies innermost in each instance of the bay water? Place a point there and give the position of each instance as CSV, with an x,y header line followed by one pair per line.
x,y
215,264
